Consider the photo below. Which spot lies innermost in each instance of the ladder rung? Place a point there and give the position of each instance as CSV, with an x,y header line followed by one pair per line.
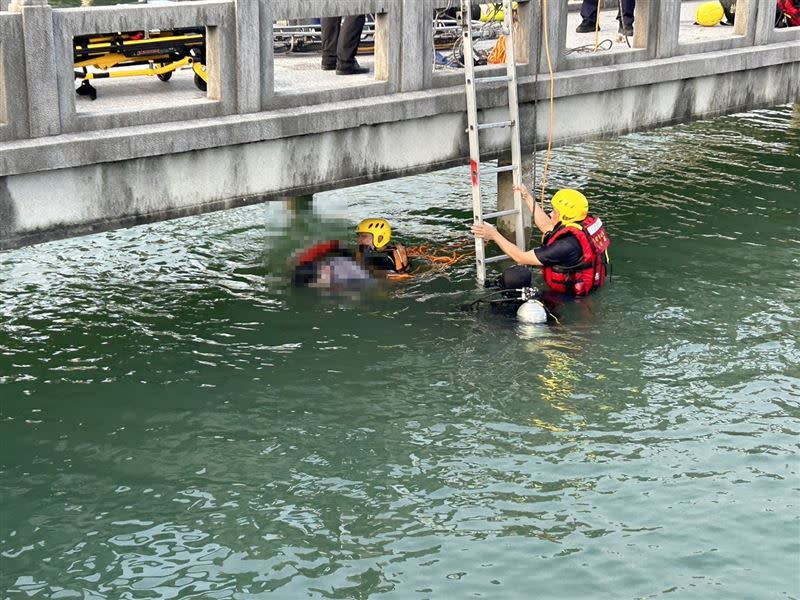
x,y
493,170
496,125
497,258
493,79
500,213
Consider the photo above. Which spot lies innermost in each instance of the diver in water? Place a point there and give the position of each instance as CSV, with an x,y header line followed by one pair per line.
x,y
333,265
574,250
374,251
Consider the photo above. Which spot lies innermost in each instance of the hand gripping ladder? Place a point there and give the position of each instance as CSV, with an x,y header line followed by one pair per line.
x,y
474,128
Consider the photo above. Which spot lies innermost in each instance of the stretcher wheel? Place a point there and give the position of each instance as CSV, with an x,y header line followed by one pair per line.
x,y
164,76
87,89
201,85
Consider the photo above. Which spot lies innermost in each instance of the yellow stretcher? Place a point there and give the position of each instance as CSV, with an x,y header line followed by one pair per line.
x,y
158,53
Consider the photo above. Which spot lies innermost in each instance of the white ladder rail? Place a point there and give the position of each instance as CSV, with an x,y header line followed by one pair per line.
x,y
513,104
472,131
474,128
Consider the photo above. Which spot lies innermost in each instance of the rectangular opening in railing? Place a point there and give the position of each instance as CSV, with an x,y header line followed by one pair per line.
x,y
606,27
324,53
704,21
787,14
120,69
488,43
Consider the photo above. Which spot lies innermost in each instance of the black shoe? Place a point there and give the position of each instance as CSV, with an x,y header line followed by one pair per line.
x,y
585,27
626,30
330,67
352,70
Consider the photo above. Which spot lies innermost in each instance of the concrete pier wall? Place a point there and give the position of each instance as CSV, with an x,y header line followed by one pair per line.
x,y
64,172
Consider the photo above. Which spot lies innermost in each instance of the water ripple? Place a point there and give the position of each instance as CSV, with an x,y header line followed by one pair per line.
x,y
177,422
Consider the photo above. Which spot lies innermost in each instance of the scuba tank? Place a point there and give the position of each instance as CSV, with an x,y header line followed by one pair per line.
x,y
532,312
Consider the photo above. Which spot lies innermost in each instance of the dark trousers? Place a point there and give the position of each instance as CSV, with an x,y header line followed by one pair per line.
x,y
340,40
589,11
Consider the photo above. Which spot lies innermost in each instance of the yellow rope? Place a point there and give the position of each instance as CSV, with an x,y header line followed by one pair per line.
x,y
597,26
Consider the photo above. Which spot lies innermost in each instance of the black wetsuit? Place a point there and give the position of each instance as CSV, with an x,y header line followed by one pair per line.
x,y
389,259
379,261
564,252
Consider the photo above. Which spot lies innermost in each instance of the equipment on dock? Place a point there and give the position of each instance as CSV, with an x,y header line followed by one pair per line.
x,y
474,128
305,35
156,52
709,14
788,13
729,7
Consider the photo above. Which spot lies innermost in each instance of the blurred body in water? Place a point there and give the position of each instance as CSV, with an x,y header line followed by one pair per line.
x,y
332,264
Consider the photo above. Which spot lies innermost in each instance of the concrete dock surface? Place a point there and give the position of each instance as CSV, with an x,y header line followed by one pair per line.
x,y
299,72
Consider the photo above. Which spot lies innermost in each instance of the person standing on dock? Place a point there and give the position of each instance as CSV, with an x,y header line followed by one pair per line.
x,y
340,39
624,16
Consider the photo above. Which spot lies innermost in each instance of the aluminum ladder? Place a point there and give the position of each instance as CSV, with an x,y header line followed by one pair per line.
x,y
474,128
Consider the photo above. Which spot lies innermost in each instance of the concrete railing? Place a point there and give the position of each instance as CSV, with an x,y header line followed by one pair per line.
x,y
13,81
37,96
67,171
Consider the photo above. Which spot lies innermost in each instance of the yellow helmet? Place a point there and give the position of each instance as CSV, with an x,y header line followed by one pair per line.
x,y
493,11
379,228
571,205
709,14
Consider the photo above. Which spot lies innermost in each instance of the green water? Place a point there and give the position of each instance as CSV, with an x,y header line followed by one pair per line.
x,y
175,422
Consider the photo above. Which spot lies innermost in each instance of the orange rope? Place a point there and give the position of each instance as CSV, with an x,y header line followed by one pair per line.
x,y
438,257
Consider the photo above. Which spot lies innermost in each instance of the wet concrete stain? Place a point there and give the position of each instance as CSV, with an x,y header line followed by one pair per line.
x,y
8,215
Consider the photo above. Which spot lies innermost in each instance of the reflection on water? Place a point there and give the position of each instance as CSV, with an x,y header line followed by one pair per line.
x,y
176,421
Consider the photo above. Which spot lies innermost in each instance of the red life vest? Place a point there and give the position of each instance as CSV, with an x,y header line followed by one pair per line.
x,y
396,255
791,11
590,272
317,252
